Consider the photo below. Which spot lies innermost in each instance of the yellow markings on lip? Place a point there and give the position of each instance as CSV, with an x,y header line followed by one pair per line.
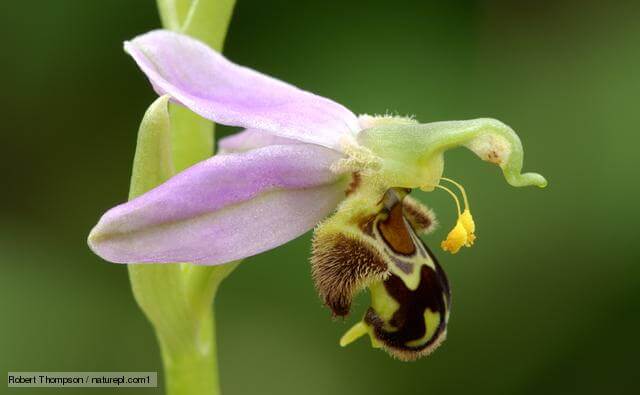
x,y
432,321
384,305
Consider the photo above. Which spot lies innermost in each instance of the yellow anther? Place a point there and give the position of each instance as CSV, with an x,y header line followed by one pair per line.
x,y
469,226
456,238
463,234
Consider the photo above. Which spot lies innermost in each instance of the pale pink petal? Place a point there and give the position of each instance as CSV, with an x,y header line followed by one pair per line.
x,y
250,139
217,89
225,208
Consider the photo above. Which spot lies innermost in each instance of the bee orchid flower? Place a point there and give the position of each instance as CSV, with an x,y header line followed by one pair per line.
x,y
304,162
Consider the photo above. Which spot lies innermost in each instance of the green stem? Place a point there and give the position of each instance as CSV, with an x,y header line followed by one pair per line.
x,y
177,298
193,369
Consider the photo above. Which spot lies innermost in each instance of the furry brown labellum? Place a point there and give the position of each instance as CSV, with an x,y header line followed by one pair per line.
x,y
377,246
342,265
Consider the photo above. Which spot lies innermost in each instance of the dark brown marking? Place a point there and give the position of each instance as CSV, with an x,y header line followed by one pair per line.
x,y
442,276
367,225
395,233
493,157
432,293
356,180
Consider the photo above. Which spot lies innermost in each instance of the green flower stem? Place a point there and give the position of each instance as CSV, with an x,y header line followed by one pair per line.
x,y
193,369
177,298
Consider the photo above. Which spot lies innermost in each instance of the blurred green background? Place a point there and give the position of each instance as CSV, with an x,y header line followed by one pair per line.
x,y
546,302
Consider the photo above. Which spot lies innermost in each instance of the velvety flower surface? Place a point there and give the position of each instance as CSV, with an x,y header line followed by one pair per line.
x,y
299,159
